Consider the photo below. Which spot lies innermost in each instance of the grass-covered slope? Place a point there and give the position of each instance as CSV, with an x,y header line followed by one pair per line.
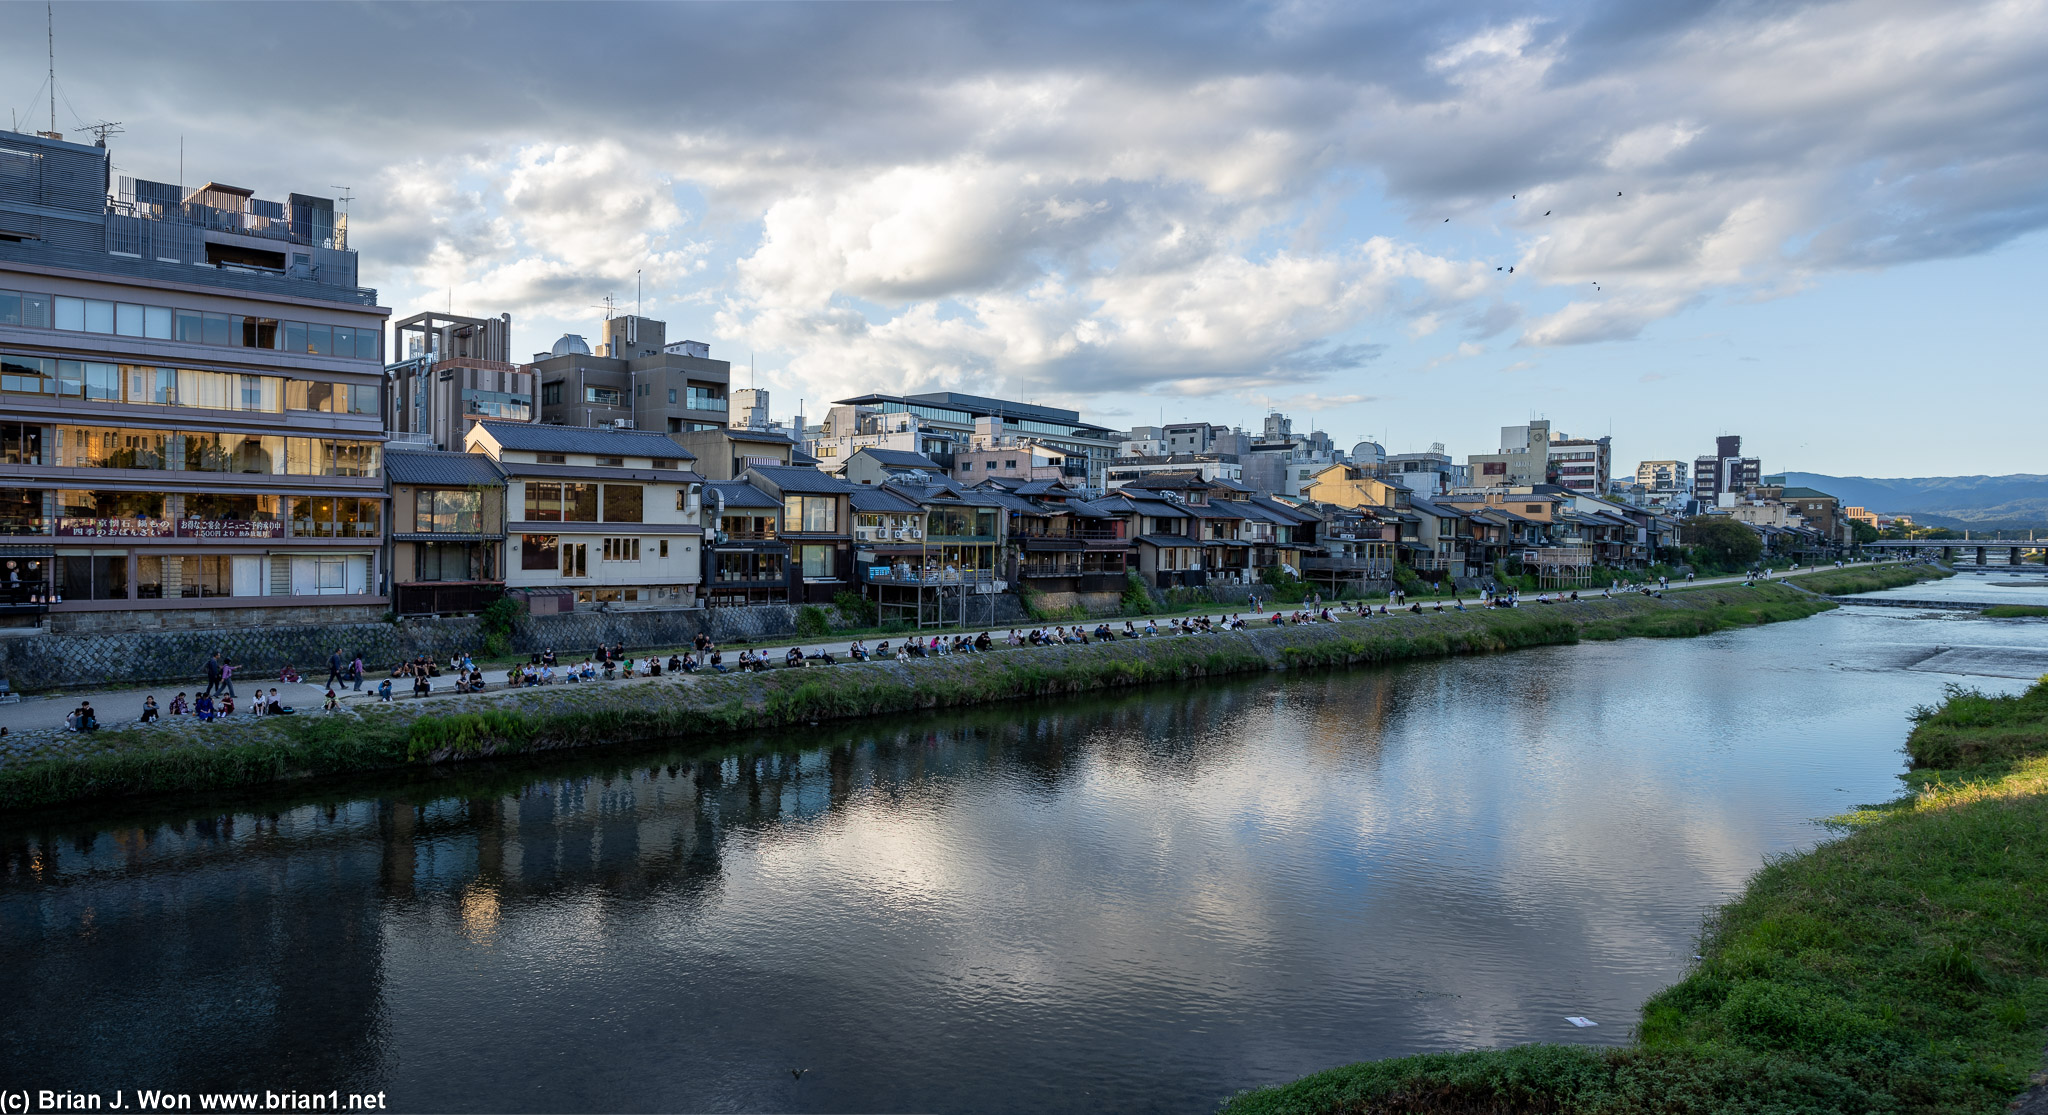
x,y
1902,968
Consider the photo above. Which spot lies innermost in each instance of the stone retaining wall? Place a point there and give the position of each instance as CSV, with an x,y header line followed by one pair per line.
x,y
47,661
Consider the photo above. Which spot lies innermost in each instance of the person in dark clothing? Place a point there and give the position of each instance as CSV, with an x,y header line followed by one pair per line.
x,y
149,713
212,674
334,670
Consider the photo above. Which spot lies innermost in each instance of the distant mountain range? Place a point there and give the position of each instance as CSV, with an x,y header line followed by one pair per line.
x,y
1961,502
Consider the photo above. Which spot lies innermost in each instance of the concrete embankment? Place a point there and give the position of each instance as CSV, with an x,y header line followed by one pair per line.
x,y
48,768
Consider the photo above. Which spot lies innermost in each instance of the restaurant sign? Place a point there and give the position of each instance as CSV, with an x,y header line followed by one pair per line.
x,y
230,528
69,527
73,527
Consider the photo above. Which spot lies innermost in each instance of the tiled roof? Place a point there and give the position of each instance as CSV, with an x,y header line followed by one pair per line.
x,y
795,478
447,470
880,499
532,438
739,493
898,458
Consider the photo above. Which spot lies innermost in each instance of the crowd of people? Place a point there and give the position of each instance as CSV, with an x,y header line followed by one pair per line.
x,y
608,662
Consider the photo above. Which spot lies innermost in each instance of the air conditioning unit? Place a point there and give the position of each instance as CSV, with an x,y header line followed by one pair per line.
x,y
622,423
865,534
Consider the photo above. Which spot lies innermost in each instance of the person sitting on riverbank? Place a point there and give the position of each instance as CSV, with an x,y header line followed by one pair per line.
x,y
226,708
203,707
717,659
794,659
384,691
858,651
290,675
982,642
277,707
547,657
178,705
824,657
421,686
149,713
675,662
611,666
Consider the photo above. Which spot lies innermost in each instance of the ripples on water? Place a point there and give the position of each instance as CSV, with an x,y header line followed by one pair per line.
x,y
1143,903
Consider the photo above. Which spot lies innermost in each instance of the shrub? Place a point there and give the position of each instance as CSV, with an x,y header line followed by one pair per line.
x,y
497,623
811,622
1137,598
1286,587
858,610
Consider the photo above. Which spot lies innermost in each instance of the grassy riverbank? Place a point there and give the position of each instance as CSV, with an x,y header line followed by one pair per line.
x,y
1867,578
186,756
1901,968
2016,611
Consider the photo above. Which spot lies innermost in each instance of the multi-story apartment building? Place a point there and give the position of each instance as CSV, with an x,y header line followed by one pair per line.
x,y
1663,476
1184,437
190,403
956,416
454,371
1727,472
635,380
607,518
1582,464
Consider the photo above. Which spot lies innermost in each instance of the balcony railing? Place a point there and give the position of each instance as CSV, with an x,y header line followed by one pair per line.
x,y
934,577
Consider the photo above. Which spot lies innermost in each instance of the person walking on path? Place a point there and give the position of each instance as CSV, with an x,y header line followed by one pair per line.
x,y
212,674
227,678
334,673
356,668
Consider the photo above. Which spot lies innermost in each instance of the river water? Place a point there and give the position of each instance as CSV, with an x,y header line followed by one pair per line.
x,y
1143,903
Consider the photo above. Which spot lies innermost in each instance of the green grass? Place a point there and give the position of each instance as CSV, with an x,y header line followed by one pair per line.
x,y
1870,578
2015,611
1902,968
248,753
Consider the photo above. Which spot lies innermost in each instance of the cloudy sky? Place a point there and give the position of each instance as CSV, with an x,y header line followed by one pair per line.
x,y
1816,225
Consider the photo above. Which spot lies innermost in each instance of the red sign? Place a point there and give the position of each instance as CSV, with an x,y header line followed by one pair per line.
x,y
230,528
113,528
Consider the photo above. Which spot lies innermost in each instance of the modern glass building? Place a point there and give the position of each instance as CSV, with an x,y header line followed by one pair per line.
x,y
190,403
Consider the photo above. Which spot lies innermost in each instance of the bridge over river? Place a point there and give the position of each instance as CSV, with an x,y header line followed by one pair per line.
x,y
2004,550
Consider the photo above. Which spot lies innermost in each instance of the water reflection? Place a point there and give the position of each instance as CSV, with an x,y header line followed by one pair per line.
x,y
1147,902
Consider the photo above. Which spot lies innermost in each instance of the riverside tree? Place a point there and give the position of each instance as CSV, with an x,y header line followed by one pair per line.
x,y
1722,541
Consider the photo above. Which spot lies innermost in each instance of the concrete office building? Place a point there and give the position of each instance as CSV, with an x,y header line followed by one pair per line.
x,y
635,380
455,371
1425,473
1524,458
190,404
1284,463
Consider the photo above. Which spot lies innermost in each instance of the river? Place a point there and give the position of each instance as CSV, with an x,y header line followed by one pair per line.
x,y
1141,903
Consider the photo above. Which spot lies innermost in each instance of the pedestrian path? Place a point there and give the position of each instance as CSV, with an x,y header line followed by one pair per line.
x,y
121,707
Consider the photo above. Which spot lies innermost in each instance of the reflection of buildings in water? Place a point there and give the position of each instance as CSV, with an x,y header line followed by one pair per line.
x,y
267,945
269,928
1349,716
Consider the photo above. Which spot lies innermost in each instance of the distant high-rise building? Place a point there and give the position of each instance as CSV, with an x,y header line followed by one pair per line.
x,y
1727,472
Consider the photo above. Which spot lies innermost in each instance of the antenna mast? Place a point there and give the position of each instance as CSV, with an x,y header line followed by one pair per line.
x,y
50,16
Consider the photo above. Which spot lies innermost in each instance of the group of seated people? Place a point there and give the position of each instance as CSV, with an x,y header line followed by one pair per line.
x,y
419,667
206,708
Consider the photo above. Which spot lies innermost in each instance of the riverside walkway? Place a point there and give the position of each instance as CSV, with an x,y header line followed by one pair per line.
x,y
121,707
